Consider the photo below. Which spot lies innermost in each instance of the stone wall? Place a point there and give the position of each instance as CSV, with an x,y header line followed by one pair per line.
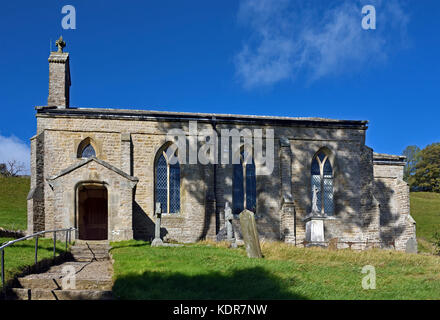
x,y
35,199
392,193
119,187
283,198
62,138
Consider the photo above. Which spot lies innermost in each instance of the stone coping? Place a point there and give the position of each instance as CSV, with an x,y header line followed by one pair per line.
x,y
101,162
387,159
152,115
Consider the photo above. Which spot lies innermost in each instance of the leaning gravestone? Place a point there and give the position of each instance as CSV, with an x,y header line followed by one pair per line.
x,y
250,234
411,246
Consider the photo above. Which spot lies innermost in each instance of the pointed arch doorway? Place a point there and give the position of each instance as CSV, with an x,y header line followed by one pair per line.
x,y
92,212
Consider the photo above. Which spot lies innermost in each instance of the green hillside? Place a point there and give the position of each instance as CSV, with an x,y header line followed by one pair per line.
x,y
13,193
425,209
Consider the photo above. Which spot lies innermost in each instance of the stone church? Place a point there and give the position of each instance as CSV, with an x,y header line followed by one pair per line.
x,y
104,172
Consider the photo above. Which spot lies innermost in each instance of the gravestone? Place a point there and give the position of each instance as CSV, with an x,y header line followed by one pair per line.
x,y
411,246
157,242
250,234
333,244
314,228
315,222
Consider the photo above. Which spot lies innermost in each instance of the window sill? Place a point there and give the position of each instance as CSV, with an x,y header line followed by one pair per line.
x,y
171,215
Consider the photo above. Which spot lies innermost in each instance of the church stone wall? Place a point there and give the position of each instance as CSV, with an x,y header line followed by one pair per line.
x,y
63,136
396,223
132,145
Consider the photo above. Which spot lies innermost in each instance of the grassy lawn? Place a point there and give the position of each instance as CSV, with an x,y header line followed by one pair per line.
x,y
212,271
425,209
14,191
22,254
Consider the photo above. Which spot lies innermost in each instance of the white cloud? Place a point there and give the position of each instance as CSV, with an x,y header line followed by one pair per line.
x,y
12,148
316,39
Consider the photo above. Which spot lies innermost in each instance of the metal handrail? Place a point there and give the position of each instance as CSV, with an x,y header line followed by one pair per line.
x,y
34,235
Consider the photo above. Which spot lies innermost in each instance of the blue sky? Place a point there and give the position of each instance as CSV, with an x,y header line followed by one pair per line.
x,y
286,58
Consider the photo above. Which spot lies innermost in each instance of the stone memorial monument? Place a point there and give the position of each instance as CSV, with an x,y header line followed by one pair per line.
x,y
229,226
315,222
250,234
157,242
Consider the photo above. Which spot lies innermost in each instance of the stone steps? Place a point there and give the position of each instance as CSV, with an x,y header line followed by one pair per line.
x,y
57,284
89,280
48,294
90,250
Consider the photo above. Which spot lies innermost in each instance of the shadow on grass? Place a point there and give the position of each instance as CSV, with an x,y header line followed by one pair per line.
x,y
250,283
119,245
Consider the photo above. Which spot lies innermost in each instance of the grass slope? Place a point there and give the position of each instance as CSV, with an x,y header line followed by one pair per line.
x,y
425,209
13,193
22,254
215,272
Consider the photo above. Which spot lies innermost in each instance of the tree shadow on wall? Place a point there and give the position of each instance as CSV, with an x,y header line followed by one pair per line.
x,y
389,230
354,186
249,283
143,226
197,189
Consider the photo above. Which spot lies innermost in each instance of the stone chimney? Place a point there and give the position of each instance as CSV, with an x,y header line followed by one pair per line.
x,y
59,77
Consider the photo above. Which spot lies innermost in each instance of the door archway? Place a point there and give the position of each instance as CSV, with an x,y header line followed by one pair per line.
x,y
92,212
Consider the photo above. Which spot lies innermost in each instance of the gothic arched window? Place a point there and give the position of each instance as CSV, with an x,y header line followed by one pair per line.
x,y
238,186
86,149
322,179
167,182
88,152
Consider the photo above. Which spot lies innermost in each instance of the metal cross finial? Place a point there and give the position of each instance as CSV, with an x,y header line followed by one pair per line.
x,y
60,44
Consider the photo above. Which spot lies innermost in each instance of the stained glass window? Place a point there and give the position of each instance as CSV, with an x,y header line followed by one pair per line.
x,y
322,179
251,187
174,188
162,183
238,187
167,188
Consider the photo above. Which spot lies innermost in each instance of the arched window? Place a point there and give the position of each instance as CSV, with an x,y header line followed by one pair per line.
x,y
167,183
322,179
238,186
88,152
85,149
